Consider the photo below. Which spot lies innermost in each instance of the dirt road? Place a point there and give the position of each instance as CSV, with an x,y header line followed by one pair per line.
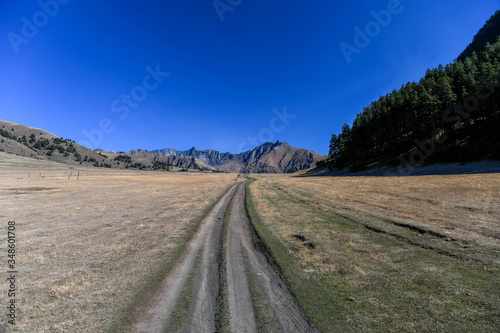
x,y
225,282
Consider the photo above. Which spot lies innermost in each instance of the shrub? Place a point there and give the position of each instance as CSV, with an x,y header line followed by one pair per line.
x,y
160,165
41,144
123,158
71,148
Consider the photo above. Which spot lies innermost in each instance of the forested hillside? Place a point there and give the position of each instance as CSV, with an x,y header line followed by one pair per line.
x,y
450,115
487,34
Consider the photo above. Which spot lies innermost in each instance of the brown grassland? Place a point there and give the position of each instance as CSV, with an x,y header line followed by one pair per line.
x,y
90,250
416,253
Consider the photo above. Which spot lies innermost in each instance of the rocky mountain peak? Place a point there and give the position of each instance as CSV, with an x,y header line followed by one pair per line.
x,y
277,157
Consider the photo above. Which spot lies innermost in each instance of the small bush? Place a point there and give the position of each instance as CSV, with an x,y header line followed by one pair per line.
x,y
123,158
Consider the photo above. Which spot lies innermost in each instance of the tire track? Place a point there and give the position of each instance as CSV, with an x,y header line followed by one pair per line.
x,y
284,308
156,319
243,254
241,314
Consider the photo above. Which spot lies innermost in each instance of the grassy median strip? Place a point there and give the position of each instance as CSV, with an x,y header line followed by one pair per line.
x,y
147,288
222,315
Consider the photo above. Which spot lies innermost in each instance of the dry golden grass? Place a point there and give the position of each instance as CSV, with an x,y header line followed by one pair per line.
x,y
84,244
383,241
468,203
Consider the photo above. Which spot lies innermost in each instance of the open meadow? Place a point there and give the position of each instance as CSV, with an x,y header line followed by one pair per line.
x,y
386,253
90,251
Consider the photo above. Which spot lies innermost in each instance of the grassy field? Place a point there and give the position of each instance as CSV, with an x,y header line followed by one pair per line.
x,y
91,250
360,253
386,254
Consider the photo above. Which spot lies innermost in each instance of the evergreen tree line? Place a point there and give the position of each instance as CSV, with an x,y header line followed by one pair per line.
x,y
452,114
487,34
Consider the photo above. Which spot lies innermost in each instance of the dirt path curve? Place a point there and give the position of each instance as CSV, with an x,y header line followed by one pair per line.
x,y
249,275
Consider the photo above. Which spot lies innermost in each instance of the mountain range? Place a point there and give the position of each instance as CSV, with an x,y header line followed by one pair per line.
x,y
278,157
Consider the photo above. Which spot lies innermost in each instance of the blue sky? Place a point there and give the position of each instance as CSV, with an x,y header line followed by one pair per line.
x,y
125,74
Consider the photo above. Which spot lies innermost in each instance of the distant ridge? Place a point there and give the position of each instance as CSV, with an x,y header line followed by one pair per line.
x,y
185,162
278,157
39,144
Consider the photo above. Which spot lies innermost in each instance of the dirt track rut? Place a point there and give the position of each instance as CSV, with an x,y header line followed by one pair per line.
x,y
241,265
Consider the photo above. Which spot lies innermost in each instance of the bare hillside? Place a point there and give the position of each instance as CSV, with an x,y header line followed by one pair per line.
x,y
39,144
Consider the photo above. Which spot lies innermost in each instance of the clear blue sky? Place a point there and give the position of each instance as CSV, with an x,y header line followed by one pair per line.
x,y
83,68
